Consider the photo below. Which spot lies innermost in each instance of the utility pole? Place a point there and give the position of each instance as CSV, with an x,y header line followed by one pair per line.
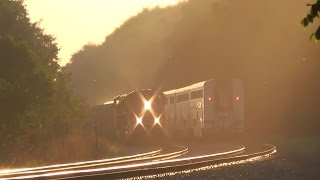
x,y
96,133
95,124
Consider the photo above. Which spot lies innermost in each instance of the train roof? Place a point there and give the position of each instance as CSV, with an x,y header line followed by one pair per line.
x,y
101,106
170,92
127,94
193,86
108,102
124,96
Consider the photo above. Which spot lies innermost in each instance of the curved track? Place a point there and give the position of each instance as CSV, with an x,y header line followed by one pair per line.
x,y
185,165
162,162
64,170
77,164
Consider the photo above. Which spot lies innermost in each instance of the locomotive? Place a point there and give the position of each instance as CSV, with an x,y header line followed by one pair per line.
x,y
140,114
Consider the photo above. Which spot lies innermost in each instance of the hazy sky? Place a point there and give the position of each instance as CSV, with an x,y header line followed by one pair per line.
x,y
75,23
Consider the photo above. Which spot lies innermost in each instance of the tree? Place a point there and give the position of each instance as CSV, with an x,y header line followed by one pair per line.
x,y
16,93
310,17
36,103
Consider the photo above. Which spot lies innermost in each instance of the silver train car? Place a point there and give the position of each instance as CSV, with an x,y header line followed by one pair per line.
x,y
214,106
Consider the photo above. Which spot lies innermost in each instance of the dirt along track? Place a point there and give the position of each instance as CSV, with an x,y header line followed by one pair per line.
x,y
164,162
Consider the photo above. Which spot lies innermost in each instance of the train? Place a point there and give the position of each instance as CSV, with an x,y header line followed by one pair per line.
x,y
206,108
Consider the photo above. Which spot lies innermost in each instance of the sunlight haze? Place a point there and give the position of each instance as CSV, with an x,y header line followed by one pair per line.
x,y
76,23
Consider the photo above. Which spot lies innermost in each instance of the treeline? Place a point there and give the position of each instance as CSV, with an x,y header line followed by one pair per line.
x,y
260,42
37,105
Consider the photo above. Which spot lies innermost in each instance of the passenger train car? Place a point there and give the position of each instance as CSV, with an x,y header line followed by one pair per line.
x,y
140,114
208,107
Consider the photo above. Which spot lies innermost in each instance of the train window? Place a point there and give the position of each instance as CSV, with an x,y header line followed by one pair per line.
x,y
183,97
171,100
196,94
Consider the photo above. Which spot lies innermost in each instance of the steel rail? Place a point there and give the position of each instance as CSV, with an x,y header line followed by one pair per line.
x,y
178,165
32,174
70,165
88,173
187,167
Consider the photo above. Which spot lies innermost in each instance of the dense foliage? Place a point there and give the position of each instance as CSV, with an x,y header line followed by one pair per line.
x,y
310,18
36,104
259,42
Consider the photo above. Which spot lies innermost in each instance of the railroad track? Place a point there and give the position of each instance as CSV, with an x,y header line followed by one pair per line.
x,y
77,164
156,165
55,171
192,164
